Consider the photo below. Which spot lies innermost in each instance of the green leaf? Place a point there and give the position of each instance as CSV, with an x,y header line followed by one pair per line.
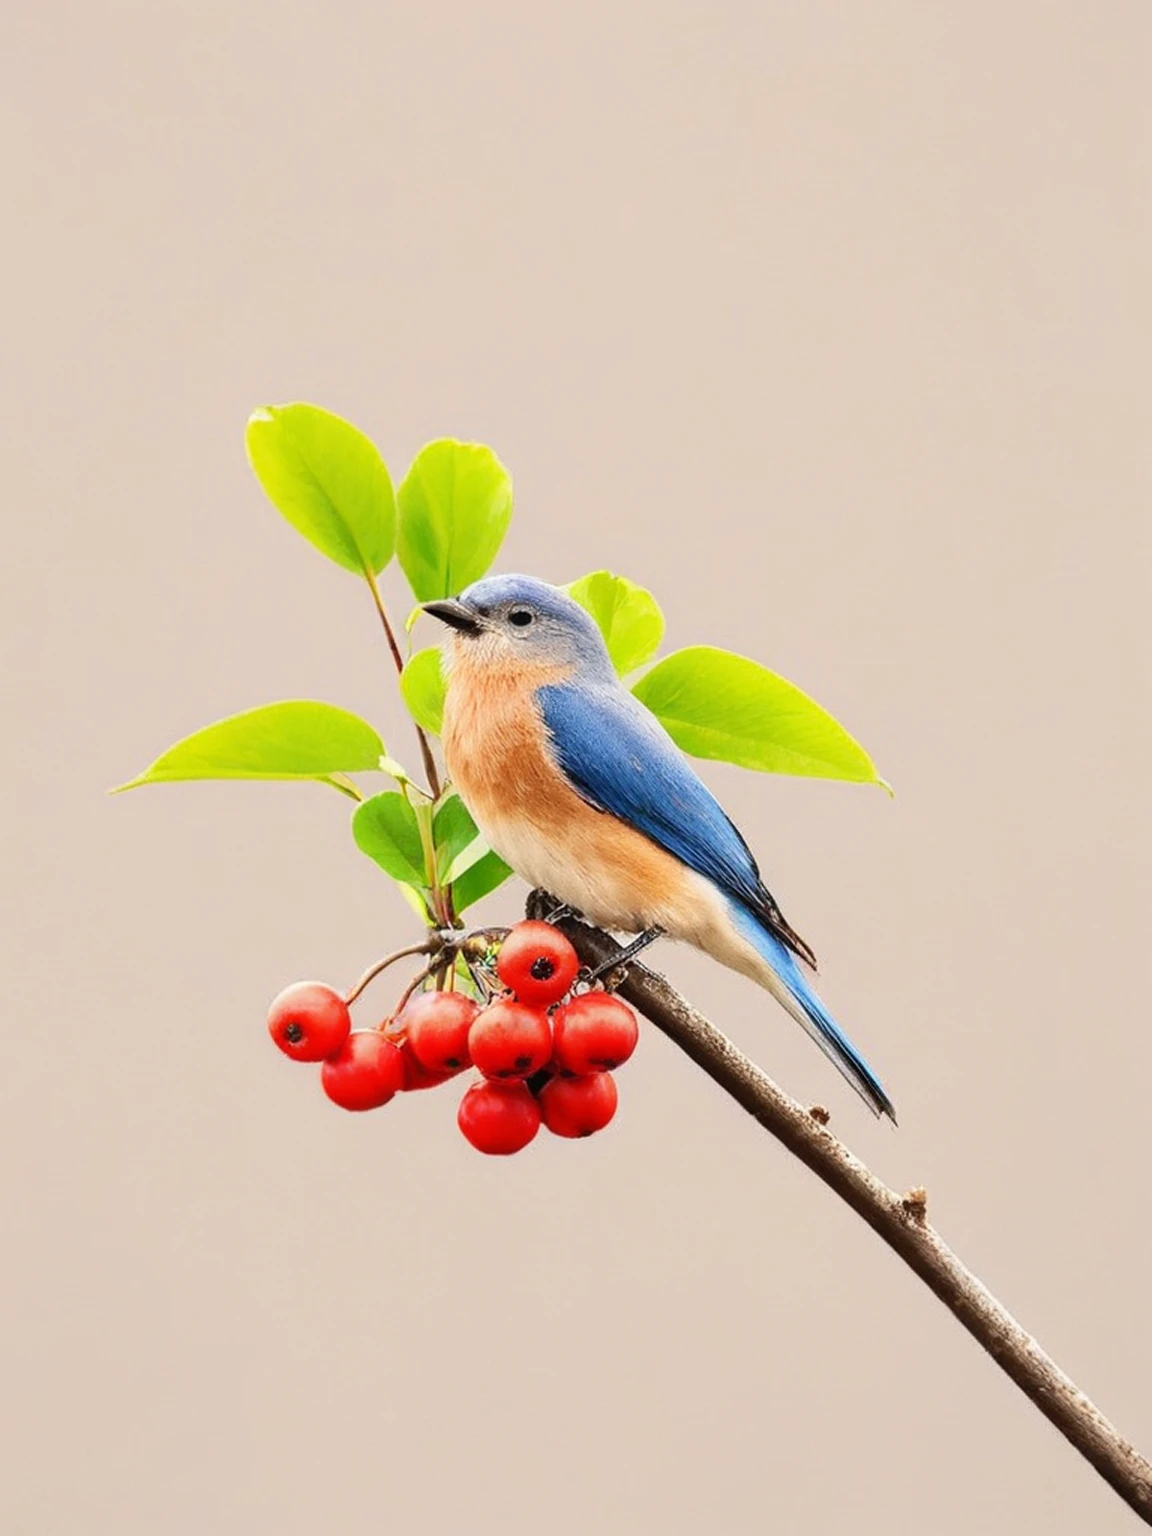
x,y
718,705
455,504
328,480
394,770
299,739
480,880
422,684
460,844
386,829
454,833
628,615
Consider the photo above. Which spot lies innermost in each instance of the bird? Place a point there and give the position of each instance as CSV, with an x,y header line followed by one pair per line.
x,y
582,792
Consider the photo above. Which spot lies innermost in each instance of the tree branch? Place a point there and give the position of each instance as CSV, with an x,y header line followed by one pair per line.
x,y
900,1220
390,635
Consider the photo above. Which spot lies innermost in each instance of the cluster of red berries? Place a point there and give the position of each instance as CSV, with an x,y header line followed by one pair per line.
x,y
542,1060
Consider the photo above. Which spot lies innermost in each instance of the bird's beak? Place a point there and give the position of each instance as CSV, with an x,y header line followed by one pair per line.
x,y
454,614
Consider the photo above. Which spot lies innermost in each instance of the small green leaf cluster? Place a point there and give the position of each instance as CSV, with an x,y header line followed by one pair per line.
x,y
431,849
445,524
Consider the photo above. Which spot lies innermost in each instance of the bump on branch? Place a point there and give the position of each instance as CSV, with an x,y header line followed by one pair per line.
x,y
901,1221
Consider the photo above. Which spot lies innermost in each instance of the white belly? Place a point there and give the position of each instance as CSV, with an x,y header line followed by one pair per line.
x,y
569,867
570,873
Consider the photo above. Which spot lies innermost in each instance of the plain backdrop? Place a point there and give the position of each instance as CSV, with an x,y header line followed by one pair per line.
x,y
830,323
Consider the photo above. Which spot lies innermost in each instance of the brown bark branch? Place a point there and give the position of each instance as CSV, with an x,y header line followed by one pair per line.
x,y
900,1220
390,635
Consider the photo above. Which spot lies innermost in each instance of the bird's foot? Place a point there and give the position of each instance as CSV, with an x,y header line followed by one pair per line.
x,y
620,962
546,907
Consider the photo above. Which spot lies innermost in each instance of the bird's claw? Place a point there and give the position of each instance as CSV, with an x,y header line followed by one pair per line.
x,y
616,969
558,914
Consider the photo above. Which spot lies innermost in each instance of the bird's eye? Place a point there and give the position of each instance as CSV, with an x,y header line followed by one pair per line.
x,y
521,617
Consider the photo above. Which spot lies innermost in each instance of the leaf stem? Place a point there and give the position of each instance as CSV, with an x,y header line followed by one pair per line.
x,y
445,894
424,815
344,785
390,635
428,947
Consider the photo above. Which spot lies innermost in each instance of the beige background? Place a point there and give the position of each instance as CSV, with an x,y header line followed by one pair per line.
x,y
830,322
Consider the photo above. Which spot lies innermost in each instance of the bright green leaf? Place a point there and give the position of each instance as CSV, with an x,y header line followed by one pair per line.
x,y
422,684
459,843
454,507
328,480
453,831
386,829
299,739
482,878
628,615
718,705
476,850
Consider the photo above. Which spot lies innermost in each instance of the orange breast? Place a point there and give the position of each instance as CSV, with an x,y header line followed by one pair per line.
x,y
496,749
495,741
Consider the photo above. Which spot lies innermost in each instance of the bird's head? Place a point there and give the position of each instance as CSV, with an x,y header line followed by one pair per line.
x,y
504,621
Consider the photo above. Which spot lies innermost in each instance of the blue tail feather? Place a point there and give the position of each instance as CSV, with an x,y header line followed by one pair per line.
x,y
808,1009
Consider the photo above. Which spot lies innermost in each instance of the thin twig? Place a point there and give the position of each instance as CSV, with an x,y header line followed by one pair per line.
x,y
417,980
901,1221
429,946
390,635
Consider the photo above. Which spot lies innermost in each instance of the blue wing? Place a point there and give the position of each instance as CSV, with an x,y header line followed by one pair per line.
x,y
619,758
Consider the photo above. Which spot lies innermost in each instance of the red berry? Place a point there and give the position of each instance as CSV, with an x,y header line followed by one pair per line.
x,y
417,1077
437,1025
593,1033
509,1039
498,1118
364,1073
537,963
308,1021
578,1106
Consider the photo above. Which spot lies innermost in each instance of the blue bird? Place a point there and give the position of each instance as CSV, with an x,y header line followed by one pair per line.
x,y
581,790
